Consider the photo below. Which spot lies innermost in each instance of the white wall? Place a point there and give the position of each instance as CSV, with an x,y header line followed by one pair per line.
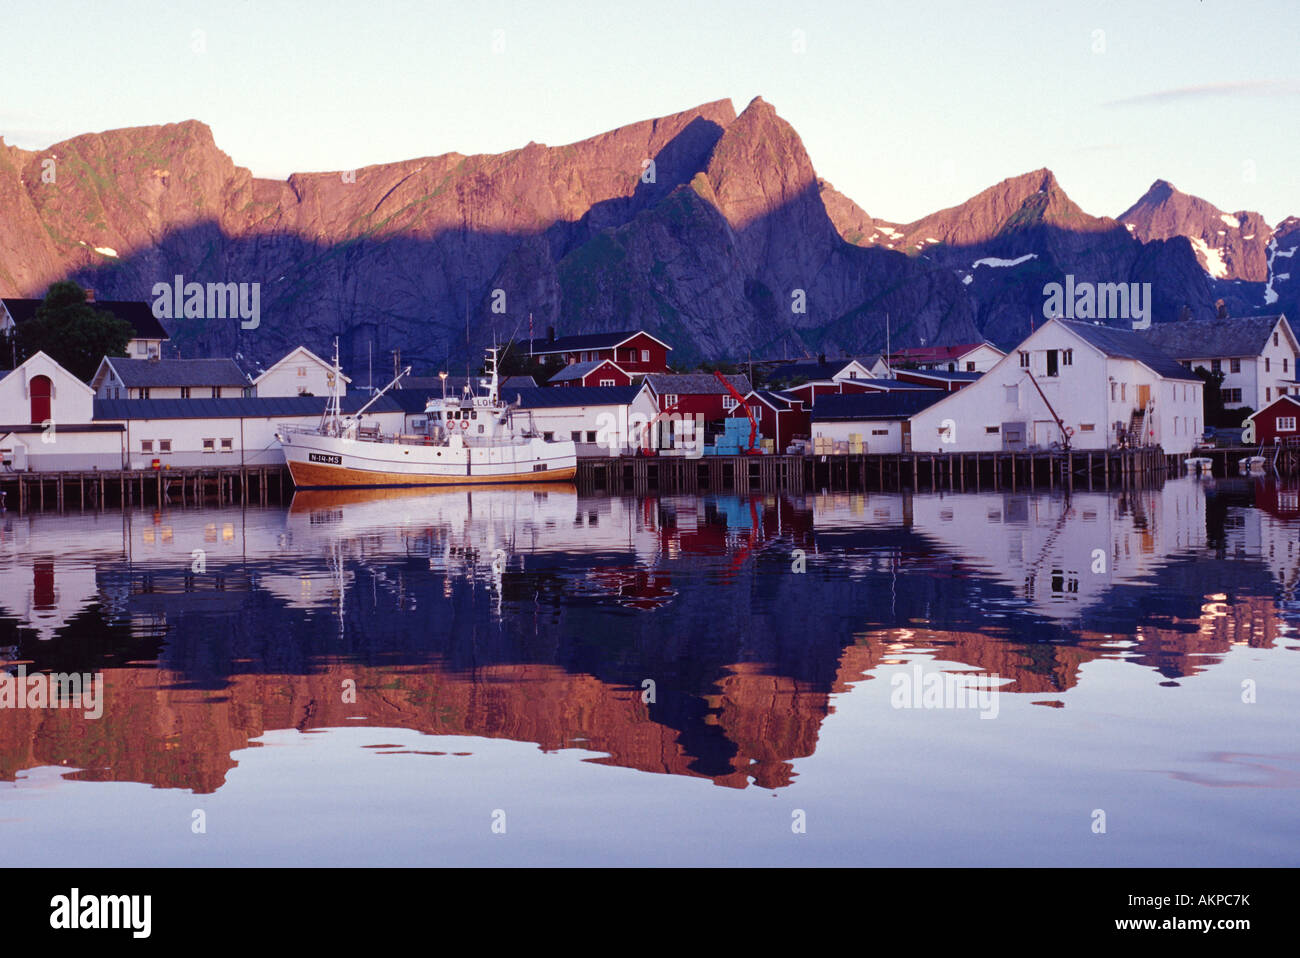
x,y
1080,395
840,429
73,401
295,374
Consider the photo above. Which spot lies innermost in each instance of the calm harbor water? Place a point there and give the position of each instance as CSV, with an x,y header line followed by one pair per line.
x,y
529,676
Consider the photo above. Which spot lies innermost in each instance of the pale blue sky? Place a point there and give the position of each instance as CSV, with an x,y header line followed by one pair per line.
x,y
906,107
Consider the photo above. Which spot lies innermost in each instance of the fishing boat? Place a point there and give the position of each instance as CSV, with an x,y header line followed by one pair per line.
x,y
465,439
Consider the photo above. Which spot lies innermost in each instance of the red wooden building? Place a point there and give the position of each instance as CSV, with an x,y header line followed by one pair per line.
x,y
779,417
697,393
601,372
1277,422
634,351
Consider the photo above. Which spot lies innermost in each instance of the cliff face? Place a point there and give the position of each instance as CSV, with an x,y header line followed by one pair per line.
x,y
709,229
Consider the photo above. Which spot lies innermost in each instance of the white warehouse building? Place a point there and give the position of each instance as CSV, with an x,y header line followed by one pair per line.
x,y
1089,384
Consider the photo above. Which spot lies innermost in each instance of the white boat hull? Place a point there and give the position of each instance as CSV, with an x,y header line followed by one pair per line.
x,y
322,462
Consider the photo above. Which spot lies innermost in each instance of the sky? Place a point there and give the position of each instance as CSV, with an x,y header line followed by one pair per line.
x,y
905,107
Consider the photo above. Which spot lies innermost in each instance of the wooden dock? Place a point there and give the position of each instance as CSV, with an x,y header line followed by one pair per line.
x,y
68,491
953,472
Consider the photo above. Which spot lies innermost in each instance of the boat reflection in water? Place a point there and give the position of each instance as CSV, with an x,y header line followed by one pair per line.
x,y
539,615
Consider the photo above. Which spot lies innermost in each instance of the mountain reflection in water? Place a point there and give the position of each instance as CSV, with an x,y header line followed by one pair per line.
x,y
539,615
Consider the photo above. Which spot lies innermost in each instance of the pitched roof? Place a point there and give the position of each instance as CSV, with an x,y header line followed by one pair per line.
x,y
818,372
177,372
251,407
1212,338
871,406
1127,344
934,354
947,375
578,370
293,352
543,398
567,344
695,384
139,315
889,385
774,399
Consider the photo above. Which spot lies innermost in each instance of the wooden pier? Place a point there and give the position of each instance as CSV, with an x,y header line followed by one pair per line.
x,y
78,491
952,472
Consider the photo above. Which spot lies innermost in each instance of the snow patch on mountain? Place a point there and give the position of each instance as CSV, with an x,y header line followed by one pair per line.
x,y
995,261
1212,258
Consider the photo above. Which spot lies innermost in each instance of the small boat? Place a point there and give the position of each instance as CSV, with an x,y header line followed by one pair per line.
x,y
1199,465
1252,465
465,440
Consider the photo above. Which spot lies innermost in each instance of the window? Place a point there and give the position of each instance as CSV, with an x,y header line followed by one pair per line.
x,y
853,374
216,392
1234,365
591,435
209,445
1216,365
227,445
185,392
576,435
164,445
1286,423
1087,427
970,367
607,382
880,432
302,371
992,430
1275,339
1067,357
1268,394
1281,390
1114,391
670,399
1232,395
142,392
1266,364
1123,392
1053,360
645,355
146,445
548,436
728,402
1024,360
1284,363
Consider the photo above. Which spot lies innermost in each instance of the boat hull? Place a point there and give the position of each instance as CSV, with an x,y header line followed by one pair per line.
x,y
323,462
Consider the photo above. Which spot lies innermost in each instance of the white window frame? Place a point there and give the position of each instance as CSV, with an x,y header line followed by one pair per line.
x,y
1285,424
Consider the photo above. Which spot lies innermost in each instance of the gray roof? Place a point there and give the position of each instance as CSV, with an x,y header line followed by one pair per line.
x,y
1127,344
135,373
541,397
888,385
578,370
947,375
139,315
568,344
695,384
1212,338
251,407
875,406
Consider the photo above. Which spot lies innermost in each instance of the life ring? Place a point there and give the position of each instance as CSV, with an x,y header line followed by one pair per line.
x,y
464,424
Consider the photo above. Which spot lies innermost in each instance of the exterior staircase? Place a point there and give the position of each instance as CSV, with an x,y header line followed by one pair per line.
x,y
1137,428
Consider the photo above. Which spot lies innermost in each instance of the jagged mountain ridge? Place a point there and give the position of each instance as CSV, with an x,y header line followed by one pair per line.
x,y
730,246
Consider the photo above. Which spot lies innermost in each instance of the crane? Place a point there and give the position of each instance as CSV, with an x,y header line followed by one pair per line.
x,y
740,400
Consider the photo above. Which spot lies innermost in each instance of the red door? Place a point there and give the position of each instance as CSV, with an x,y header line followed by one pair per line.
x,y
41,390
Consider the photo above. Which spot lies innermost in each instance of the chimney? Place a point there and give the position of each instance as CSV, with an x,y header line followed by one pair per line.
x,y
550,333
1221,309
90,295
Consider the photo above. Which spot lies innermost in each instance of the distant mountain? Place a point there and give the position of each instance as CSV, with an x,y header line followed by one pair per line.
x,y
710,229
1228,245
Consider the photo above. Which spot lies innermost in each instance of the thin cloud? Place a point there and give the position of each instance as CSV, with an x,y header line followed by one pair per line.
x,y
1207,90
